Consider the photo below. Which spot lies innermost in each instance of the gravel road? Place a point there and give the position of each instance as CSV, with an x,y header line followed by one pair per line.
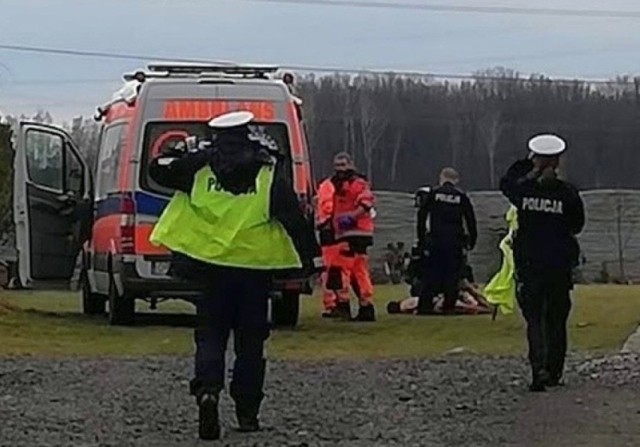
x,y
469,401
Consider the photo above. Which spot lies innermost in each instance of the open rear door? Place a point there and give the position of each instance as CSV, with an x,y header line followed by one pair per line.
x,y
53,205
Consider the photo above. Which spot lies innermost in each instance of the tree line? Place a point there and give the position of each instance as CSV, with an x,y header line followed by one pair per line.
x,y
403,130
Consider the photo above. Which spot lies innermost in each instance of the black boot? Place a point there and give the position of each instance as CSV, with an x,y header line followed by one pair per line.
x,y
554,379
343,310
425,306
539,382
366,313
208,418
247,415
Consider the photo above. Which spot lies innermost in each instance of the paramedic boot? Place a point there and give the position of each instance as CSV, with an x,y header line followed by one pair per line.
x,y
366,313
331,313
343,310
208,418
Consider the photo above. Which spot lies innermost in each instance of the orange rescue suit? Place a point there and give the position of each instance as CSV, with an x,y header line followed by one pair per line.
x,y
346,248
330,249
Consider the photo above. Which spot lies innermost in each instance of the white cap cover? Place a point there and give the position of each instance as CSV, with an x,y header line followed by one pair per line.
x,y
233,119
547,144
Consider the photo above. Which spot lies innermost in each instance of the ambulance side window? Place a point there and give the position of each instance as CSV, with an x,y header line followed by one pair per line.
x,y
110,159
45,159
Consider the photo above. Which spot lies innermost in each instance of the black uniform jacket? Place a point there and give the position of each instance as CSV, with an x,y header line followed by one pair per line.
x,y
448,210
550,215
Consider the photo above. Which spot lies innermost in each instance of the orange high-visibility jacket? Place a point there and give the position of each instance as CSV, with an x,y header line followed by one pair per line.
x,y
326,193
353,194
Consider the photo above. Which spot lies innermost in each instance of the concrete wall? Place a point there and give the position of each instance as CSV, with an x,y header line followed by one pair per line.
x,y
599,241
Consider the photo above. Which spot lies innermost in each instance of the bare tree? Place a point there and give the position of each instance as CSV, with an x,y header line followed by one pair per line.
x,y
6,179
491,126
396,153
373,124
456,137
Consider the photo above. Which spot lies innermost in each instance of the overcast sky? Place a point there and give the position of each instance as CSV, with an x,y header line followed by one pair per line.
x,y
247,31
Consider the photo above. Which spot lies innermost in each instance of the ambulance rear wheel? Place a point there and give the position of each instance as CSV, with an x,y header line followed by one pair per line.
x,y
92,303
121,307
285,310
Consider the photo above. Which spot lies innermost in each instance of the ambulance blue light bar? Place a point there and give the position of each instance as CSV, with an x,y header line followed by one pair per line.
x,y
171,69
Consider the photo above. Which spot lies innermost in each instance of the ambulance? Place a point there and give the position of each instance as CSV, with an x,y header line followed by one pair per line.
x,y
64,207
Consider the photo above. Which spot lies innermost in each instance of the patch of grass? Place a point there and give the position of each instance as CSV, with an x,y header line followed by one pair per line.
x,y
50,324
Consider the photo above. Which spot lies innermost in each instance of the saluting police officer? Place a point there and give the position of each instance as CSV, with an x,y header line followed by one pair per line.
x,y
550,215
449,211
233,221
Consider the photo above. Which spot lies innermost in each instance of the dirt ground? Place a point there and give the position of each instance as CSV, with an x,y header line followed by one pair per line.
x,y
590,415
452,401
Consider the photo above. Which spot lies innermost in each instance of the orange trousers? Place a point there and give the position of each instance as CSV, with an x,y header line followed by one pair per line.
x,y
354,272
329,257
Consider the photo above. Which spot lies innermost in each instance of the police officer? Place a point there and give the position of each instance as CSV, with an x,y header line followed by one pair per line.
x,y
233,221
413,273
550,215
448,210
420,196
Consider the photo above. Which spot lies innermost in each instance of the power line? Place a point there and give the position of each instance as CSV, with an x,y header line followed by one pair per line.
x,y
82,53
480,9
301,68
99,54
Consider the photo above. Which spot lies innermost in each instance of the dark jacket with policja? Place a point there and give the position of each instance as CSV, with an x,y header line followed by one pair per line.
x,y
448,210
550,216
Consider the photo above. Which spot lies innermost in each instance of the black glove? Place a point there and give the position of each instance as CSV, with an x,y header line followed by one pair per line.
x,y
468,245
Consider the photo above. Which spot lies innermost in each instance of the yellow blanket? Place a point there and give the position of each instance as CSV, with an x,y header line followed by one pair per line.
x,y
501,290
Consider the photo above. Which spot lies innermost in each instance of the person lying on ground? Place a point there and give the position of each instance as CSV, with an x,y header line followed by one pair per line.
x,y
467,303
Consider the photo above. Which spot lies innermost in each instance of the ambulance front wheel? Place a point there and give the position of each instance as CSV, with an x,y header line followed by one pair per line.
x,y
285,310
121,307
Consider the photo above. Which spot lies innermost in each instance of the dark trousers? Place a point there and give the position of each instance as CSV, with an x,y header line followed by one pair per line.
x,y
233,300
544,298
441,273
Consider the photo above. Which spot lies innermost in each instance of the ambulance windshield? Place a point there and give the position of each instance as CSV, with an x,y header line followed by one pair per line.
x,y
160,136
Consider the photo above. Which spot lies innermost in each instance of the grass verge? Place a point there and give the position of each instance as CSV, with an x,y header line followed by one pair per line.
x,y
50,324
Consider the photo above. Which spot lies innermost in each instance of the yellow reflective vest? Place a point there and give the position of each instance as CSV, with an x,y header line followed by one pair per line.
x,y
214,226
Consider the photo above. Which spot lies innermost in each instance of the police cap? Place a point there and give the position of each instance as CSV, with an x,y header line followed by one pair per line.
x,y
547,145
231,120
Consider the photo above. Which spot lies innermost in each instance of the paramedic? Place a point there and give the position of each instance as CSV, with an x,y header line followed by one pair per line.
x,y
352,223
550,215
330,253
448,209
233,221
